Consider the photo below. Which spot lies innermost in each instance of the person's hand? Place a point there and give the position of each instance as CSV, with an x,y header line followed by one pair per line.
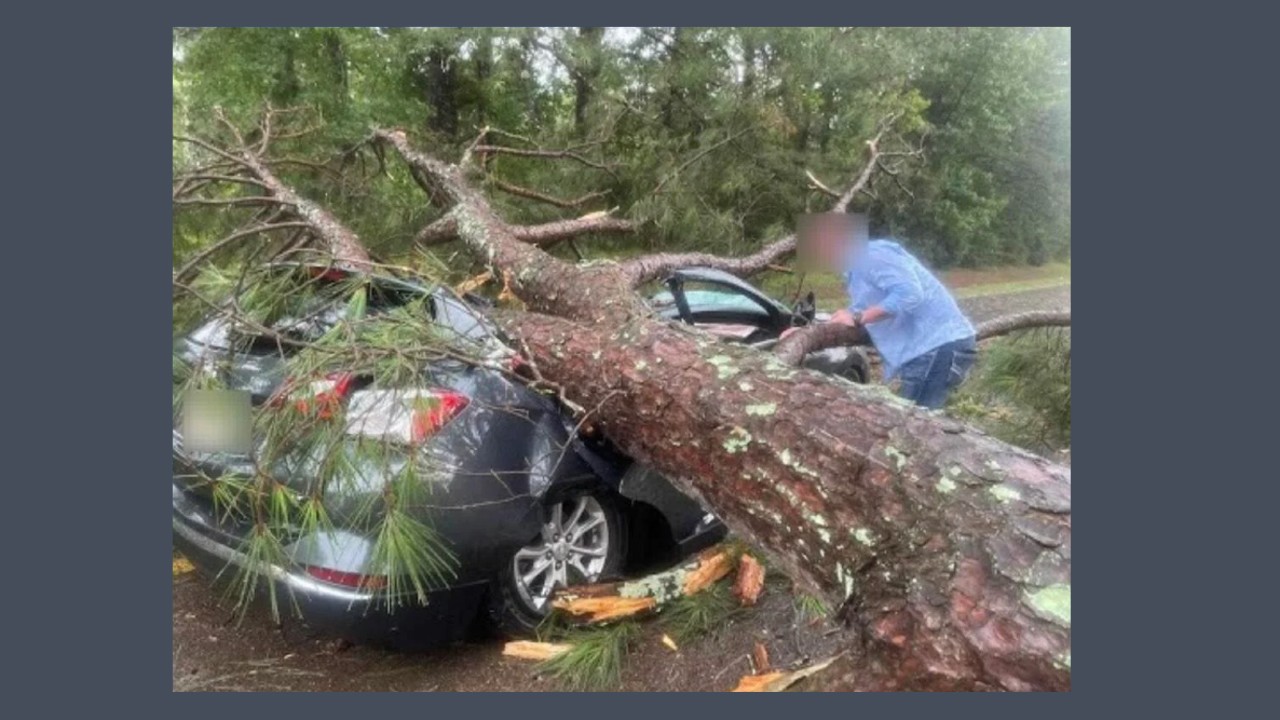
x,y
845,317
787,332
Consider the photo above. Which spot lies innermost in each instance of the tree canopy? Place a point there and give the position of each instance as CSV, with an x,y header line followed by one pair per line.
x,y
707,139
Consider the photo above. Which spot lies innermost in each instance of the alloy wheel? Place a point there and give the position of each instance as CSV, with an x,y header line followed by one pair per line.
x,y
572,548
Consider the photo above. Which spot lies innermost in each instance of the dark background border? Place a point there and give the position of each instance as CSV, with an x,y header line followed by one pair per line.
x,y
1166,495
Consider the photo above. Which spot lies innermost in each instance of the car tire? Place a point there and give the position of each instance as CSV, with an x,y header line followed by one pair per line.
x,y
858,370
850,363
518,607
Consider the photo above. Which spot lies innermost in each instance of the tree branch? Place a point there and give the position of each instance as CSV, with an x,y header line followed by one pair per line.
x,y
523,152
545,234
793,348
696,157
524,192
1022,321
189,269
549,233
651,267
250,158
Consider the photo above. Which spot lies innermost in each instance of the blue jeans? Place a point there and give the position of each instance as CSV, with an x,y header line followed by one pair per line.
x,y
929,378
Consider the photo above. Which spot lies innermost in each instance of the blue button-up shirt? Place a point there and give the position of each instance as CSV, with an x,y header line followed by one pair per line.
x,y
922,314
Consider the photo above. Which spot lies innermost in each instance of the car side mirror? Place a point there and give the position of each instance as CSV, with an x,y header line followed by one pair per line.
x,y
807,307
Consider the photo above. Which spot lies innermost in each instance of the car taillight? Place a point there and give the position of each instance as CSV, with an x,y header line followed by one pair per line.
x,y
432,412
323,397
403,415
347,579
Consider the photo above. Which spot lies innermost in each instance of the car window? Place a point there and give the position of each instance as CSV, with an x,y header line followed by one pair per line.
x,y
461,318
707,297
304,302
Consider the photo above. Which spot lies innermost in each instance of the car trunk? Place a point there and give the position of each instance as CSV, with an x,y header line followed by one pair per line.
x,y
237,358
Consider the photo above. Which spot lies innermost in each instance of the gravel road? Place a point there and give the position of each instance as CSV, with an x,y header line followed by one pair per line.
x,y
986,307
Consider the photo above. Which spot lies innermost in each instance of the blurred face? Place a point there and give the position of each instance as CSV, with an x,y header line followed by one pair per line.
x,y
826,242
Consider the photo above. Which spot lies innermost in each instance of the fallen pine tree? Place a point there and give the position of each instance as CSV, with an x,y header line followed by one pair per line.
x,y
946,552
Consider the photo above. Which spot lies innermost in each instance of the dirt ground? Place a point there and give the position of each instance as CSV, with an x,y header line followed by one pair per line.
x,y
214,651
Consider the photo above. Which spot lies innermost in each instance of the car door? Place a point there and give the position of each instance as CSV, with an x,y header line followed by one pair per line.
x,y
723,308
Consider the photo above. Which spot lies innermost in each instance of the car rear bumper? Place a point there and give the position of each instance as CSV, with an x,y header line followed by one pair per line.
x,y
354,614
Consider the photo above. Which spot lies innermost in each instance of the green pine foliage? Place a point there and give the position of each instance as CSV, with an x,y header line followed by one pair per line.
x,y
303,454
596,658
704,133
692,616
1020,390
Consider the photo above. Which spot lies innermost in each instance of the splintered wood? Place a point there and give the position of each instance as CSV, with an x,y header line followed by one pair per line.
x,y
528,650
708,570
760,683
760,658
603,602
603,609
473,284
750,580
778,681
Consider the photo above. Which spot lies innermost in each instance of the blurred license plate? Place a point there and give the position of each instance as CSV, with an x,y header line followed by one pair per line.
x,y
217,421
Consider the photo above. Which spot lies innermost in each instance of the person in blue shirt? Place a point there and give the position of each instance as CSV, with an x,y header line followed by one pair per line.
x,y
914,322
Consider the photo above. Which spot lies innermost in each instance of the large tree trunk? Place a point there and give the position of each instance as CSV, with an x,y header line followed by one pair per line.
x,y
948,551
585,71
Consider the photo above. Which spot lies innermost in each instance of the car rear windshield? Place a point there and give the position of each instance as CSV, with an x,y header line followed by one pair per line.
x,y
303,303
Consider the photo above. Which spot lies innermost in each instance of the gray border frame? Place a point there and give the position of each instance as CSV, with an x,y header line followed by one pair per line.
x,y
89,579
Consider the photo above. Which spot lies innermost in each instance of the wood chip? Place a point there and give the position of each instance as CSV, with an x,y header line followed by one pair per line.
x,y
758,683
181,565
473,284
778,681
709,570
529,650
750,581
760,656
507,297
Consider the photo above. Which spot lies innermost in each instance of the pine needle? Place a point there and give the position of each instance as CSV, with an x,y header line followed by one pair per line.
x,y
704,613
595,660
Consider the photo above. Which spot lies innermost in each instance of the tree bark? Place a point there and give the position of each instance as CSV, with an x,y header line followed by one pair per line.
x,y
796,346
652,267
1022,321
585,71
544,234
949,551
